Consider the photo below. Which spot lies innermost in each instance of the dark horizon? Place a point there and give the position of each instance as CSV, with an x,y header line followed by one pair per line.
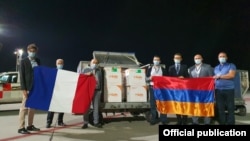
x,y
72,30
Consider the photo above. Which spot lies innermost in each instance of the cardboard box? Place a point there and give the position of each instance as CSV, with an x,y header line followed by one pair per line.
x,y
135,77
136,93
113,93
113,76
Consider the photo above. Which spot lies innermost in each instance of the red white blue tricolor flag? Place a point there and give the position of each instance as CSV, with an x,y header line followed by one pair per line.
x,y
185,96
61,91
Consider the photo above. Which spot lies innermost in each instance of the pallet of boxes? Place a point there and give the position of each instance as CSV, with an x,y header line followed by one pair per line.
x,y
124,85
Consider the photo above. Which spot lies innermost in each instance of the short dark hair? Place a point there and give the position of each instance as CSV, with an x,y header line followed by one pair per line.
x,y
179,54
32,46
157,56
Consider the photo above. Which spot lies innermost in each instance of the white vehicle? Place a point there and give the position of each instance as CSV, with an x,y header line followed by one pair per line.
x,y
10,88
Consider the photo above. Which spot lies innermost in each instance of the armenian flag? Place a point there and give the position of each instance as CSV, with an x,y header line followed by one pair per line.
x,y
185,96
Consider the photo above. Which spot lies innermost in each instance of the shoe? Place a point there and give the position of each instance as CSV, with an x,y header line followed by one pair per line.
x,y
61,124
98,125
152,122
32,128
178,123
184,123
23,131
164,123
48,125
85,126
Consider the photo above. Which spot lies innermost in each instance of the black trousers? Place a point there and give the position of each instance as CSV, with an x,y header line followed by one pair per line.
x,y
50,117
225,101
182,119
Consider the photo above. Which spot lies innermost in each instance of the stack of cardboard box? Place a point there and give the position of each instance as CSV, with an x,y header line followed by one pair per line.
x,y
113,86
136,85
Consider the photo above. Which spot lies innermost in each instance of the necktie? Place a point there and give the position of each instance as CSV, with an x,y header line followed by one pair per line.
x,y
177,68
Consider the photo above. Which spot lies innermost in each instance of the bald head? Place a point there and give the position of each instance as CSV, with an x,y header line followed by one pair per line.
x,y
198,59
222,57
222,54
59,62
94,61
198,56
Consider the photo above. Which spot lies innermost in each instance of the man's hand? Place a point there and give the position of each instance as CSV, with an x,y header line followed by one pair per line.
x,y
88,73
216,77
25,94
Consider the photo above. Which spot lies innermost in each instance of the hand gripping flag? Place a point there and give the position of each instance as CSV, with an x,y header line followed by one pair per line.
x,y
61,91
185,96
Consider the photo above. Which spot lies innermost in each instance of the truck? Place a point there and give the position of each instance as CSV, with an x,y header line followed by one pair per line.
x,y
122,63
241,87
120,95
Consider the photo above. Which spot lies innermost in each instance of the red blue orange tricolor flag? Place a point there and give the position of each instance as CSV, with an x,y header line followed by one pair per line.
x,y
185,96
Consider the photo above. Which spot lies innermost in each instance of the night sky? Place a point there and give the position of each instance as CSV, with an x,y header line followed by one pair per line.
x,y
73,29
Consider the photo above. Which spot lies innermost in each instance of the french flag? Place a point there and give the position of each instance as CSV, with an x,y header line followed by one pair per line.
x,y
60,90
186,96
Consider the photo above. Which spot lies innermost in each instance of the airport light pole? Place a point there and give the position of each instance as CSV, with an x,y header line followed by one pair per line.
x,y
19,53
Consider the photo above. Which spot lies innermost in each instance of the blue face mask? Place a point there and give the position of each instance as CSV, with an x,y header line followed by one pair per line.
x,y
156,63
31,54
222,60
59,66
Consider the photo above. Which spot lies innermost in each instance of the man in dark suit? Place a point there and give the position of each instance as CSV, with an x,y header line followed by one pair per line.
x,y
155,70
26,77
181,71
200,69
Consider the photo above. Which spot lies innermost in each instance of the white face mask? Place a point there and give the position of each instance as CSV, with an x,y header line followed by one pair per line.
x,y
156,63
93,66
31,54
197,61
222,60
59,66
177,61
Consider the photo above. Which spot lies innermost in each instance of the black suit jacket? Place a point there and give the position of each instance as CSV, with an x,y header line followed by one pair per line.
x,y
183,71
26,73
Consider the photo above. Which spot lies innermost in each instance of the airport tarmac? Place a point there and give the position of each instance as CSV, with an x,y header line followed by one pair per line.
x,y
117,127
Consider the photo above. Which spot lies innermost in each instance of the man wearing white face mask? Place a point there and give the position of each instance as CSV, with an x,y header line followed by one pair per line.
x,y
26,77
155,70
179,70
200,69
50,116
94,70
224,90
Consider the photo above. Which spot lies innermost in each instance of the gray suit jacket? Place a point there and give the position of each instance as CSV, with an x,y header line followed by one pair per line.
x,y
206,70
98,76
26,73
